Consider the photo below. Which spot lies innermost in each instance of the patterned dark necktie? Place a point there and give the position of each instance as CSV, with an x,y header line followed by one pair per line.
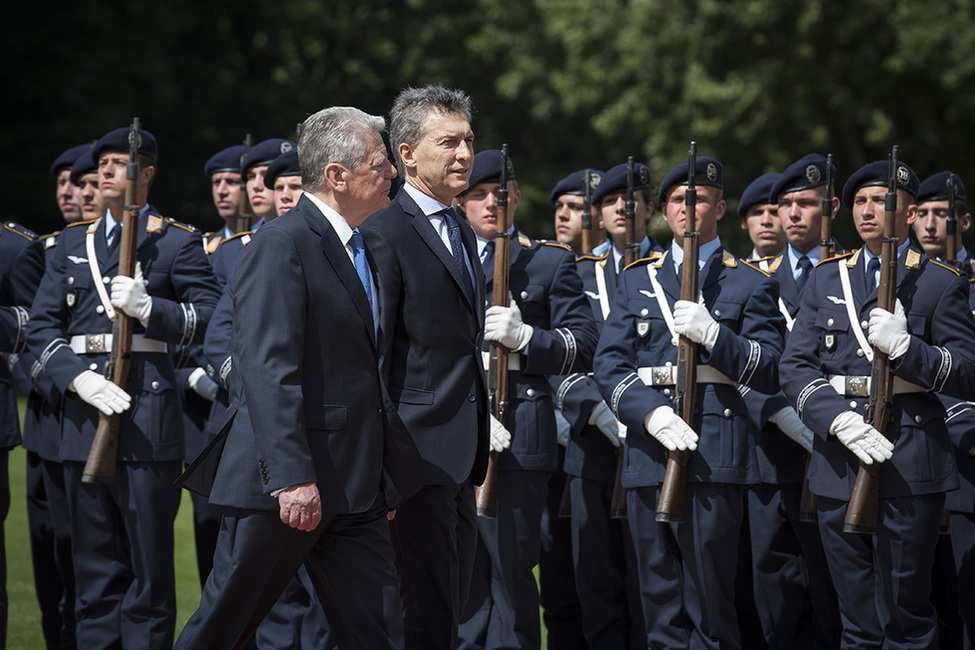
x,y
361,265
805,268
460,254
871,280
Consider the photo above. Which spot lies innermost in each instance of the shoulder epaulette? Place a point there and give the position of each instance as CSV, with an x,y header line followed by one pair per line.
x,y
26,233
652,257
728,259
913,260
590,256
749,264
211,244
525,240
775,263
850,256
81,223
185,226
556,244
237,236
50,240
935,262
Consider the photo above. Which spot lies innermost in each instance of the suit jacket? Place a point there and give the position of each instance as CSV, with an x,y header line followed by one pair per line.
x,y
312,405
432,354
940,359
742,299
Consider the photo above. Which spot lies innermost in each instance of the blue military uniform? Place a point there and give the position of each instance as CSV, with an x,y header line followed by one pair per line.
x,y
502,610
122,533
687,570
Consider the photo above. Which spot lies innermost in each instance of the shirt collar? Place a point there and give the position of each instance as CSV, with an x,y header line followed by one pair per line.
x,y
425,202
704,252
795,256
338,223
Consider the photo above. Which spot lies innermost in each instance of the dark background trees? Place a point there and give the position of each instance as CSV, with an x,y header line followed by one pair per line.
x,y
567,83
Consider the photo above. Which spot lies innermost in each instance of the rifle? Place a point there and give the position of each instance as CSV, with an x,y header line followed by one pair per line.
x,y
670,507
100,466
486,496
587,215
861,512
951,227
244,214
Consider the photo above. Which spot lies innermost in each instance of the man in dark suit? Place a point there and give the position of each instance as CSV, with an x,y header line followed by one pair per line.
x,y
315,454
427,258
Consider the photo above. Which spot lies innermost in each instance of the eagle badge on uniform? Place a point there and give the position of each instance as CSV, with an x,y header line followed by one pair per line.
x,y
812,174
903,176
642,327
829,341
154,225
712,172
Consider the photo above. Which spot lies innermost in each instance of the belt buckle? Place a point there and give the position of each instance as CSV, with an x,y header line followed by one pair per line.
x,y
96,344
857,386
664,375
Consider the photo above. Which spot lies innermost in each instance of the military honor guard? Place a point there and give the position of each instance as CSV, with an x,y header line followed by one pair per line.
x,y
603,559
223,169
67,193
883,580
687,569
610,199
122,533
549,330
931,226
283,175
569,198
760,218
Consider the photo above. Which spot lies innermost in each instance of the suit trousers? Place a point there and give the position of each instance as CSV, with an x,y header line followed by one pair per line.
x,y
349,560
883,581
963,545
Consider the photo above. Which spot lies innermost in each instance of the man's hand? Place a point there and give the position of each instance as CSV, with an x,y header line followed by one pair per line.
x,y
862,439
888,332
692,320
789,423
500,436
562,429
669,430
100,392
202,385
301,506
130,296
603,419
505,326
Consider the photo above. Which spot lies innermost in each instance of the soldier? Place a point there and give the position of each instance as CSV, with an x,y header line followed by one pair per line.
x,y
84,175
604,562
223,168
259,195
122,534
687,570
932,220
794,596
760,218
610,197
883,581
549,330
284,176
67,195
568,195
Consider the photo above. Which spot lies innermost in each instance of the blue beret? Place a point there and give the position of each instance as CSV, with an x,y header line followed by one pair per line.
x,y
487,168
804,174
264,152
118,140
284,165
875,174
935,188
614,180
66,159
707,171
575,183
757,192
225,160
85,163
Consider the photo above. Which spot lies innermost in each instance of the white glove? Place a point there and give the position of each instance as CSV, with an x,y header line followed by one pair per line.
x,y
669,430
693,321
603,419
130,295
621,432
100,392
504,325
201,384
789,423
562,428
861,438
500,437
888,332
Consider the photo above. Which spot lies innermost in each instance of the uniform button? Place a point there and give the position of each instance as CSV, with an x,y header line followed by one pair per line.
x,y
70,280
717,313
829,322
917,418
667,392
524,295
99,309
93,366
380,410
471,398
860,352
644,311
106,280
727,413
864,324
530,392
853,405
669,364
155,385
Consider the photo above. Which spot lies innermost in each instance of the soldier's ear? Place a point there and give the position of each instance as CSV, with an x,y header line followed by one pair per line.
x,y
147,173
965,221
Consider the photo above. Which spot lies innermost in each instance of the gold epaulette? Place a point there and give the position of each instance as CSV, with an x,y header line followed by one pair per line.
x,y
773,266
656,257
50,240
935,262
728,259
556,244
590,256
239,235
185,226
212,243
20,230
749,264
81,223
525,240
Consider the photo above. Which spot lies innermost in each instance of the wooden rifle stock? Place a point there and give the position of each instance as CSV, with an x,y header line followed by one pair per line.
x,y
486,495
951,226
244,214
103,455
587,216
862,511
670,507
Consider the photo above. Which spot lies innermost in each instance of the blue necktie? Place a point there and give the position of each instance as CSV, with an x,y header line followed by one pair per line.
x,y
487,263
805,268
113,238
457,248
361,265
872,267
